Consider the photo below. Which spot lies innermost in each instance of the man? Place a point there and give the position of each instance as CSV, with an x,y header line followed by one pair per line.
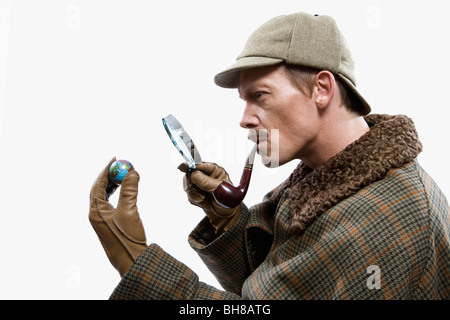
x,y
358,219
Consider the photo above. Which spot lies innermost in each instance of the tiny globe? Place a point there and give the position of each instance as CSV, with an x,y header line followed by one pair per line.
x,y
118,170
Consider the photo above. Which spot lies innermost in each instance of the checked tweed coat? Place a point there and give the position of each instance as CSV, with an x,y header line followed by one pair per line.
x,y
368,224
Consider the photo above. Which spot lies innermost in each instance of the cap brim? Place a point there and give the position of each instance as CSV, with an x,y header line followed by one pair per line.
x,y
229,78
365,107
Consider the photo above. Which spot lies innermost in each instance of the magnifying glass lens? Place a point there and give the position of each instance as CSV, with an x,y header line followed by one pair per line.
x,y
182,141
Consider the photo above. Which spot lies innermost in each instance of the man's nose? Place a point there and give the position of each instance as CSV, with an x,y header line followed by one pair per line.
x,y
249,119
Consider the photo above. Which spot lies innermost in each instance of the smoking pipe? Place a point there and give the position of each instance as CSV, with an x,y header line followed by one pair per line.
x,y
229,196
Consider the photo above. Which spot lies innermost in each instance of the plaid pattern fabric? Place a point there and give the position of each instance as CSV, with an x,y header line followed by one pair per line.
x,y
395,231
157,275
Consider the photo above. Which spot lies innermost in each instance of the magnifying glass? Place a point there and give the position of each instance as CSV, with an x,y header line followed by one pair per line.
x,y
182,141
226,194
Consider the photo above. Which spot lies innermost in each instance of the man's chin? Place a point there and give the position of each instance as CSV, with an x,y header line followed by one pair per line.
x,y
270,162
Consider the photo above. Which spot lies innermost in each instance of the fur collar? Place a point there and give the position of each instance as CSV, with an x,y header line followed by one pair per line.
x,y
391,143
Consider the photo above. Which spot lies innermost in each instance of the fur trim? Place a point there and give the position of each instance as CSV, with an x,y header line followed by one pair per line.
x,y
391,143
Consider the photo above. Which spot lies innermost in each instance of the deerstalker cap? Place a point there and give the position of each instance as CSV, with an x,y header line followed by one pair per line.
x,y
298,39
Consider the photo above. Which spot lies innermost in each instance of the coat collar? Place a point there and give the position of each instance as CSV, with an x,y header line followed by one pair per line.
x,y
391,143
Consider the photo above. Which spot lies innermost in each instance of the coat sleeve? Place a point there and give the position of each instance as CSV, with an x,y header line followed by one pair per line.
x,y
215,252
156,275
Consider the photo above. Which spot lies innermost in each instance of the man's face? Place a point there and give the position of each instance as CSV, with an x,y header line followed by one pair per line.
x,y
283,120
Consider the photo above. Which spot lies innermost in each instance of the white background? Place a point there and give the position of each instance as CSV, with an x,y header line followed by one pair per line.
x,y
83,81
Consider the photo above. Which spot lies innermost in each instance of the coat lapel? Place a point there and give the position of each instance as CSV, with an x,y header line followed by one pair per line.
x,y
391,143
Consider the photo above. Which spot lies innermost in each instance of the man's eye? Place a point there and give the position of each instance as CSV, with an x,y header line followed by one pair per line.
x,y
258,94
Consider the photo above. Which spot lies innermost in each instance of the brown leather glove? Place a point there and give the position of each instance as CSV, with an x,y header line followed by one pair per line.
x,y
120,229
200,184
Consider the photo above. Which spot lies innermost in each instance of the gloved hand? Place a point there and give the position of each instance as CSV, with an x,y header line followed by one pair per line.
x,y
199,186
120,229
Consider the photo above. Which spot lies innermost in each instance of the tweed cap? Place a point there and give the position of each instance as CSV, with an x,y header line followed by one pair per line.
x,y
298,39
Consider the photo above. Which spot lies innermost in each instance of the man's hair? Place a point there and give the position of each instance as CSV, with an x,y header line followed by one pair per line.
x,y
303,78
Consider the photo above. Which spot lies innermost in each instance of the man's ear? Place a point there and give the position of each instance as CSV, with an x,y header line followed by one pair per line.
x,y
324,88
